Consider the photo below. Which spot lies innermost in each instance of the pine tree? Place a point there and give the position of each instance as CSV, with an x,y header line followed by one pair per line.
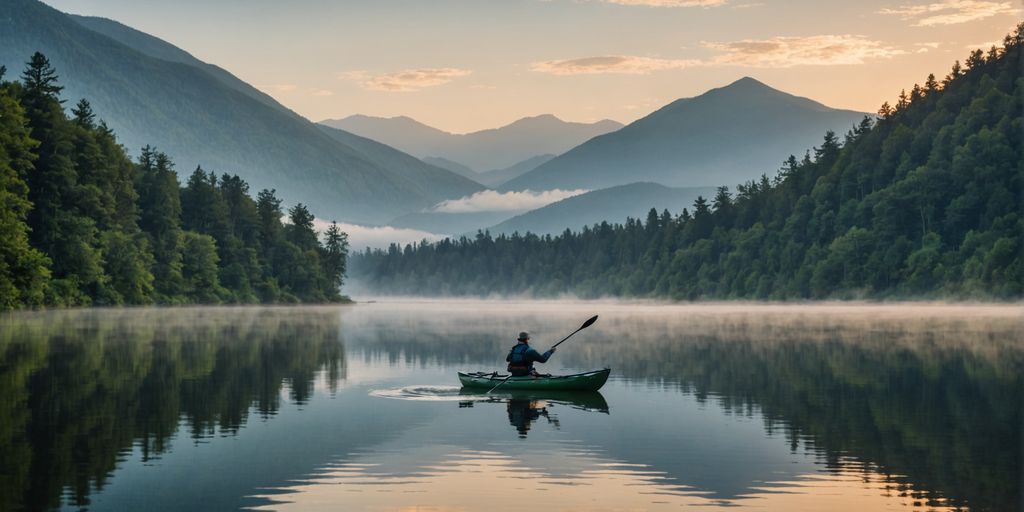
x,y
160,219
59,228
24,272
335,255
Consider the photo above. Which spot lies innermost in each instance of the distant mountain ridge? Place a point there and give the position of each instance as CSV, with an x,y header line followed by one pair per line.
x,y
150,92
614,205
725,136
482,150
496,177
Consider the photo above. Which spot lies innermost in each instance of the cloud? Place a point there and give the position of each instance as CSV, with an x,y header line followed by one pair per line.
x,y
494,201
951,12
777,52
623,64
407,80
322,92
668,3
377,237
985,46
277,88
784,52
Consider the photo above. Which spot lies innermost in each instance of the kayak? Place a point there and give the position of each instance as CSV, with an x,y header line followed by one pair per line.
x,y
588,381
583,400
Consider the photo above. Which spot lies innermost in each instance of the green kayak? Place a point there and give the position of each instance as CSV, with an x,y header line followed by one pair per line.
x,y
589,381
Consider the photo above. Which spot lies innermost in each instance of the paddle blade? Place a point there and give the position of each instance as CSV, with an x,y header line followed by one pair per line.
x,y
589,322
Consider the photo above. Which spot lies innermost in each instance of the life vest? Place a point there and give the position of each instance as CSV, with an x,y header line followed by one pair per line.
x,y
518,362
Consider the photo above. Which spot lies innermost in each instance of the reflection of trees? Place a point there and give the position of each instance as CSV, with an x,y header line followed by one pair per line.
x,y
79,388
931,398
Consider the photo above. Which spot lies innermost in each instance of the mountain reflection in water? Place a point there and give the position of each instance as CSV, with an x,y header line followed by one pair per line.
x,y
838,407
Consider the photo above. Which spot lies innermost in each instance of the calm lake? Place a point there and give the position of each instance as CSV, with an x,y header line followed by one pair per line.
x,y
739,406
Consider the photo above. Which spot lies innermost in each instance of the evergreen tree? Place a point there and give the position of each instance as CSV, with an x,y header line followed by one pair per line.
x,y
24,271
58,227
335,255
160,219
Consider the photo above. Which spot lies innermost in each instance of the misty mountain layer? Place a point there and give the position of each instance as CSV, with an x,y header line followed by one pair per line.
x,y
722,137
483,150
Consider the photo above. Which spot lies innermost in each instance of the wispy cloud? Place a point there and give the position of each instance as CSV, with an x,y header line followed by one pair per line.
x,y
377,237
822,50
777,52
624,64
985,46
322,92
406,80
951,12
669,3
494,201
278,88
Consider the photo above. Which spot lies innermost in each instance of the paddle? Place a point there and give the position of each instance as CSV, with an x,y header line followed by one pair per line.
x,y
586,324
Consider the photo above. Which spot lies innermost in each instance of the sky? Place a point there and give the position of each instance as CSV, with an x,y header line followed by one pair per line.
x,y
466,65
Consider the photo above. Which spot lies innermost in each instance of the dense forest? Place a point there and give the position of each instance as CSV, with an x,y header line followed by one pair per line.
x,y
82,224
922,201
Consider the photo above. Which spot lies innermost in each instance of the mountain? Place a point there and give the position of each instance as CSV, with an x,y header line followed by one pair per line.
x,y
496,177
496,148
921,202
150,92
723,137
613,204
452,166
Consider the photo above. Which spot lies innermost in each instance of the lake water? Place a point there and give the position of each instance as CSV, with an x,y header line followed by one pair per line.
x,y
739,406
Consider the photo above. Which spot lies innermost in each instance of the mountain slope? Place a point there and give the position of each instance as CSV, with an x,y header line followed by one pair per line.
x,y
449,223
452,166
724,136
496,177
212,119
160,49
486,149
613,205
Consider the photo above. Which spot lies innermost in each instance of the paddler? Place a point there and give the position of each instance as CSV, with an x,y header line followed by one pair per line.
x,y
522,356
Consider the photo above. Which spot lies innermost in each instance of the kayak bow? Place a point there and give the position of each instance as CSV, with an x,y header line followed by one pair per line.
x,y
588,381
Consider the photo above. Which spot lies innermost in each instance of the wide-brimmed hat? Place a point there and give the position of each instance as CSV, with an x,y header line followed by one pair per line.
x,y
523,336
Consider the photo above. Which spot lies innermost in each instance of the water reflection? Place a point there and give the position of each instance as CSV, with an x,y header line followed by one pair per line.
x,y
766,407
524,408
80,388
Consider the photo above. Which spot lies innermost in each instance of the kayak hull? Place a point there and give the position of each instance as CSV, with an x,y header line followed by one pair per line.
x,y
588,381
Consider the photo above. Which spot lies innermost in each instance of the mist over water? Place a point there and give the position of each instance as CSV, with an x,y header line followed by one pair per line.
x,y
761,406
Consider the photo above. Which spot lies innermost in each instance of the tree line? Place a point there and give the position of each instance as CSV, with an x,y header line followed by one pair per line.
x,y
82,224
922,201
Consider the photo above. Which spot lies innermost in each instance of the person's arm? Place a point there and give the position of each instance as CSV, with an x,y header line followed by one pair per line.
x,y
538,357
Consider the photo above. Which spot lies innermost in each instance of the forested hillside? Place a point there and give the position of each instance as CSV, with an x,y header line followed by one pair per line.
x,y
81,224
922,201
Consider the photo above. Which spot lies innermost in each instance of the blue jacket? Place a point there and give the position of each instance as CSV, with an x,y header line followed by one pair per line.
x,y
524,355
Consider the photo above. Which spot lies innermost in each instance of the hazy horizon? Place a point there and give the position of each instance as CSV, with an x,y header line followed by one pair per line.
x,y
450,65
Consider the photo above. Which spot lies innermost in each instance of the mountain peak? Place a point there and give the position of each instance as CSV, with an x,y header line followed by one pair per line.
x,y
745,85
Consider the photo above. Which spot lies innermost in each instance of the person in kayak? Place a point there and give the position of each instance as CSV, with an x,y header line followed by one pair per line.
x,y
522,356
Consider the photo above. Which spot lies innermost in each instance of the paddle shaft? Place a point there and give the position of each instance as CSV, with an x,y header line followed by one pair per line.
x,y
574,332
586,324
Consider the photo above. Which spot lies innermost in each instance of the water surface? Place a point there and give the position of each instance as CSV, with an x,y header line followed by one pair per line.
x,y
742,406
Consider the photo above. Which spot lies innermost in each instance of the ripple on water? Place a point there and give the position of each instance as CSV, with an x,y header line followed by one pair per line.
x,y
426,393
